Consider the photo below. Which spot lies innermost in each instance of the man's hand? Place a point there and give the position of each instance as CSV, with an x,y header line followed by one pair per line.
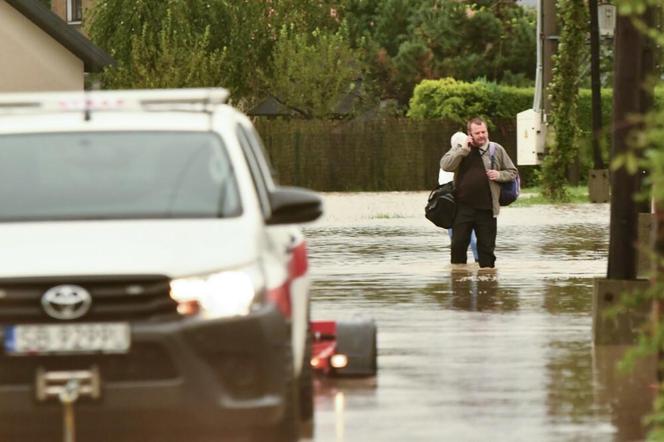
x,y
492,174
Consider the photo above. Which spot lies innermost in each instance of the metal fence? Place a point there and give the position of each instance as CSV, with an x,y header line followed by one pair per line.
x,y
376,155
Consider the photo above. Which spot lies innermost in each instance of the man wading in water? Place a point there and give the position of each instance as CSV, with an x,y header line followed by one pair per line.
x,y
477,192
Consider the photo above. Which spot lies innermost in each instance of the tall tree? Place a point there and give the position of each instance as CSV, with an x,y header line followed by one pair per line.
x,y
410,41
156,43
249,31
314,72
402,41
242,32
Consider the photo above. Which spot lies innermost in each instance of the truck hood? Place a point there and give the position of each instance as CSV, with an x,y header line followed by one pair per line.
x,y
174,248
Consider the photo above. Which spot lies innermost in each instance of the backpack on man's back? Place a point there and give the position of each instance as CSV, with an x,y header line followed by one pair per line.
x,y
509,191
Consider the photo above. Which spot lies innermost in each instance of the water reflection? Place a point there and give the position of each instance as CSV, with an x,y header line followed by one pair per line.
x,y
571,404
573,295
332,395
574,241
628,395
471,289
339,406
466,354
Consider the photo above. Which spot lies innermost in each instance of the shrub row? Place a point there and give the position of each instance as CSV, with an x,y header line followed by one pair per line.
x,y
403,154
457,101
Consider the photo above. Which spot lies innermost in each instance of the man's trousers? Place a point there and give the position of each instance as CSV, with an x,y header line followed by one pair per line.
x,y
484,223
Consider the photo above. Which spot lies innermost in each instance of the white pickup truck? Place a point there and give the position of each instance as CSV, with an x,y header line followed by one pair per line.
x,y
150,271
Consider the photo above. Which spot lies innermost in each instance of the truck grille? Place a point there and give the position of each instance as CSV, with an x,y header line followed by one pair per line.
x,y
117,298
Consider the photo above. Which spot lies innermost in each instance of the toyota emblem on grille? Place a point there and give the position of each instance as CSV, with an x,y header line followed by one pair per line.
x,y
66,302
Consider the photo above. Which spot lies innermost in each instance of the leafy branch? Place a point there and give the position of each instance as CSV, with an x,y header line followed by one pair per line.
x,y
564,92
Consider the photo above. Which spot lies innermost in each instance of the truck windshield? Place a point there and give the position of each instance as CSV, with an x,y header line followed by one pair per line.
x,y
116,175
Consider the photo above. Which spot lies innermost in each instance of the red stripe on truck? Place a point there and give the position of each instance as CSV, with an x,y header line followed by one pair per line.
x,y
298,264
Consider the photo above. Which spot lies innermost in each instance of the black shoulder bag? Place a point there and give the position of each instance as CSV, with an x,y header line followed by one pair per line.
x,y
441,207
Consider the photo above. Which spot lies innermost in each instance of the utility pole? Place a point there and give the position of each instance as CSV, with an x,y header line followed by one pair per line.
x,y
598,176
630,97
532,123
595,85
647,96
653,19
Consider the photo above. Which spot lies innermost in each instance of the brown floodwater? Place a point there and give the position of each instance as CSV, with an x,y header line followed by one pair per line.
x,y
464,354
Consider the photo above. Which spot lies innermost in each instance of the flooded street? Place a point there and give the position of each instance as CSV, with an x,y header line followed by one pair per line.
x,y
466,354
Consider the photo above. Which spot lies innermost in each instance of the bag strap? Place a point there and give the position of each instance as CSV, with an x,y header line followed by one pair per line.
x,y
492,155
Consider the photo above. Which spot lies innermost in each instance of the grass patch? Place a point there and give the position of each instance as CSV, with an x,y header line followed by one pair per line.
x,y
531,196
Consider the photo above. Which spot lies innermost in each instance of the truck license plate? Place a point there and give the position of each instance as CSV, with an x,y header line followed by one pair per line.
x,y
67,338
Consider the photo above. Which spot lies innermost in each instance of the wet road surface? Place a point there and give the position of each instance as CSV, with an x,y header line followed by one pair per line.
x,y
465,354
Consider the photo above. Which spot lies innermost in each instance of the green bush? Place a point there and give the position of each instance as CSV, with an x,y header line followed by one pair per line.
x,y
457,101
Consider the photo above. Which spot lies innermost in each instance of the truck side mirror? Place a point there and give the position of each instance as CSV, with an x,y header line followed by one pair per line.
x,y
293,205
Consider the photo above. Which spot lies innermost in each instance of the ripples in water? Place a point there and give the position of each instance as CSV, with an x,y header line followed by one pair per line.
x,y
466,354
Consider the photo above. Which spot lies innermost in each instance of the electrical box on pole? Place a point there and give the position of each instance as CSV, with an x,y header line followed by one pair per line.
x,y
530,138
606,19
531,126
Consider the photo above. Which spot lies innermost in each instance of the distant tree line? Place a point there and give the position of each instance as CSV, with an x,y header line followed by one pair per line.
x,y
311,53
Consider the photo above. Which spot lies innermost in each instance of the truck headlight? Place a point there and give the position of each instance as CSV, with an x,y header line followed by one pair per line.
x,y
221,294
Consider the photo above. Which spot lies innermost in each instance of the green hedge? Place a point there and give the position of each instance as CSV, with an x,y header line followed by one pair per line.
x,y
403,154
458,101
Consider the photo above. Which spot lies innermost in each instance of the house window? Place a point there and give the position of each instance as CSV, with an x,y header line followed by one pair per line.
x,y
74,10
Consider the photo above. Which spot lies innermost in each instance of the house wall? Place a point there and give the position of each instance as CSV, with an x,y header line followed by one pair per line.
x,y
33,60
60,8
